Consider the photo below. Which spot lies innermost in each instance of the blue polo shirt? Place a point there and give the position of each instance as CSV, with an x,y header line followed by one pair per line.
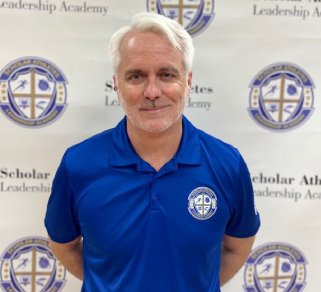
x,y
145,230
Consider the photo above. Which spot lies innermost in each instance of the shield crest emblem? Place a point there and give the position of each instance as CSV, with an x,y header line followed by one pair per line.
x,y
193,15
281,98
275,272
32,269
184,12
32,93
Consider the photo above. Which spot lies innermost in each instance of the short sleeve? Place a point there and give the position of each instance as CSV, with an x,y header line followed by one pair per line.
x,y
61,220
245,220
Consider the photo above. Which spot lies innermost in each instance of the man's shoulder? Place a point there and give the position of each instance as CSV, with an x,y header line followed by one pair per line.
x,y
206,138
92,147
221,154
96,140
211,146
217,146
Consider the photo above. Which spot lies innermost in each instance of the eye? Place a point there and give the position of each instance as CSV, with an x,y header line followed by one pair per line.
x,y
135,76
167,75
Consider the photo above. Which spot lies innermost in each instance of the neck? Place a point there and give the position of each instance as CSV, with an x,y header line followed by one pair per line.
x,y
156,148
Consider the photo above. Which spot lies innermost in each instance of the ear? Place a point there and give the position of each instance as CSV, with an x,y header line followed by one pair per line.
x,y
115,83
189,80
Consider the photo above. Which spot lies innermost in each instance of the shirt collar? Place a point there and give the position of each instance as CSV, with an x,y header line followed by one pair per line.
x,y
189,151
123,154
122,151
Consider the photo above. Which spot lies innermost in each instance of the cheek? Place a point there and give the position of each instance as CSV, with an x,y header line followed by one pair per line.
x,y
130,95
177,91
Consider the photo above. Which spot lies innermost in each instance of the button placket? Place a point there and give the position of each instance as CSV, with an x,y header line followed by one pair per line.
x,y
153,195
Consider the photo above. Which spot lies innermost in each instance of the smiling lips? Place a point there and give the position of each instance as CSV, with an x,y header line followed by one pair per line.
x,y
153,108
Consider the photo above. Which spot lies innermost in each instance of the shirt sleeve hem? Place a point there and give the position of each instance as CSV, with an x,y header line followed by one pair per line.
x,y
244,235
61,239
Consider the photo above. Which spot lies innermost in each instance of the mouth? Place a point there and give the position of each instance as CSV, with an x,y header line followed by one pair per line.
x,y
154,109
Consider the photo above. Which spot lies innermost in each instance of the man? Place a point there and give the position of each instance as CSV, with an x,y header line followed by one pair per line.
x,y
153,204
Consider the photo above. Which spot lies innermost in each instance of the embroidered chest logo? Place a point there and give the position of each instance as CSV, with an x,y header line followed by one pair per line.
x,y
202,203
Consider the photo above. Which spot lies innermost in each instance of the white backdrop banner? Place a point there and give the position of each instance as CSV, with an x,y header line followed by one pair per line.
x,y
256,85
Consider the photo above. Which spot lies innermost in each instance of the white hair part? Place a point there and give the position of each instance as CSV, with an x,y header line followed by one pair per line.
x,y
171,30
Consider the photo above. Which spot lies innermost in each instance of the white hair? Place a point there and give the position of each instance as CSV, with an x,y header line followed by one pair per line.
x,y
171,30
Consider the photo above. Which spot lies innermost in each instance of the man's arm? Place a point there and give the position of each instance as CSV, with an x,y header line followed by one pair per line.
x,y
235,251
70,255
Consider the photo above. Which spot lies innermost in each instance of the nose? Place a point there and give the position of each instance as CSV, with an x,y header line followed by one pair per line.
x,y
152,89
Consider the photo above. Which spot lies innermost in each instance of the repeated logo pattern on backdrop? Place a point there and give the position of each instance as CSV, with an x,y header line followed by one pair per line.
x,y
281,101
29,265
194,15
281,96
277,267
33,91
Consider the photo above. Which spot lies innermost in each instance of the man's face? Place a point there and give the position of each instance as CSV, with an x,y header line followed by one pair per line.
x,y
151,82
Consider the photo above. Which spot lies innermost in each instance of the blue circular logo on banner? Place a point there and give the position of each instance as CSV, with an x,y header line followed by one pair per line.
x,y
281,96
29,265
275,267
33,92
194,15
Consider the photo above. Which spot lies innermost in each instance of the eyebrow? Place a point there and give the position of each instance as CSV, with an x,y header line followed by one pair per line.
x,y
169,68
141,72
133,71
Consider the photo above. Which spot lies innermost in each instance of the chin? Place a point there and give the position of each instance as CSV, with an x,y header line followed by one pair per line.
x,y
160,126
156,126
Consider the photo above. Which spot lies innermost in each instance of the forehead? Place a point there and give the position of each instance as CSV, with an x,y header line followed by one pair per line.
x,y
148,48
